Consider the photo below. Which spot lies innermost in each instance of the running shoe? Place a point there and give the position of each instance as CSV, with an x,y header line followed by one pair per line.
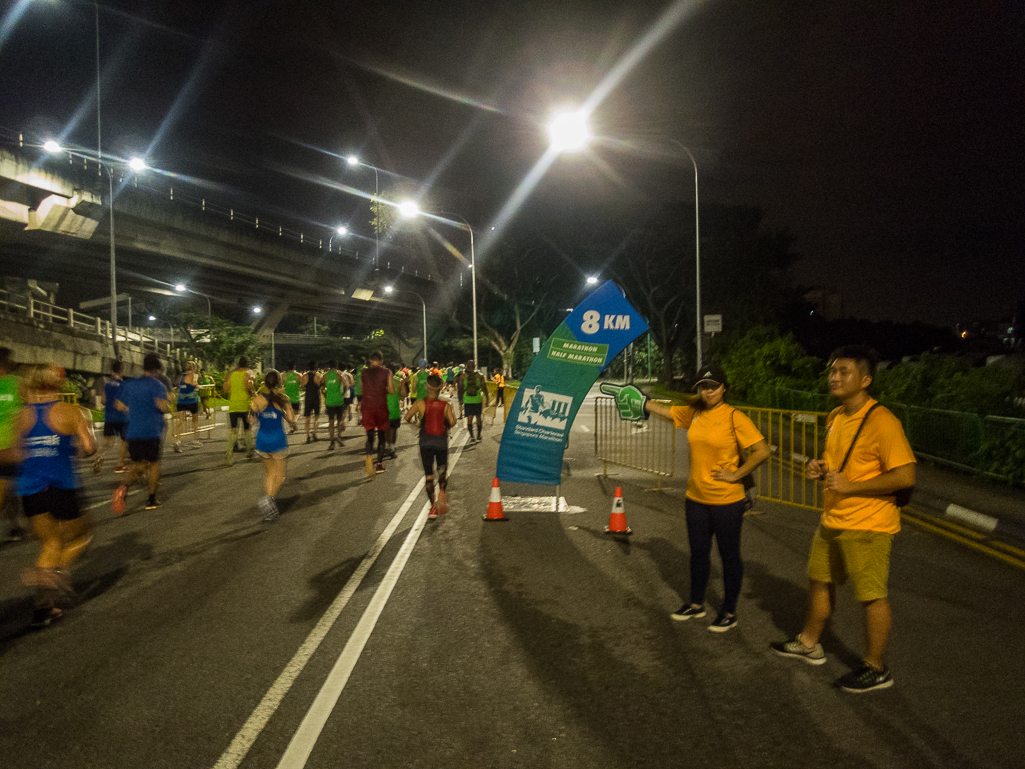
x,y
97,465
119,500
121,469
152,503
268,508
332,446
865,679
309,439
177,447
798,651
391,455
45,616
16,534
687,612
723,622
379,467
433,513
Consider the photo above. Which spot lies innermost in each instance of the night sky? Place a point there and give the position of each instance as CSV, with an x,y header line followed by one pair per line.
x,y
886,136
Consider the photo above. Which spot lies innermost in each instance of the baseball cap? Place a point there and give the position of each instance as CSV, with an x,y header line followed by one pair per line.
x,y
711,373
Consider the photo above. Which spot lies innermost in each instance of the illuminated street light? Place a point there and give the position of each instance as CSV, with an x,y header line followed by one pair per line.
x,y
408,209
390,289
257,310
152,317
352,160
343,230
52,147
340,231
591,280
568,131
137,164
181,288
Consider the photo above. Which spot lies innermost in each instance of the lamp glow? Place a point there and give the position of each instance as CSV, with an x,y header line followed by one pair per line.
x,y
137,164
408,209
352,160
343,230
52,147
180,288
388,289
591,279
569,131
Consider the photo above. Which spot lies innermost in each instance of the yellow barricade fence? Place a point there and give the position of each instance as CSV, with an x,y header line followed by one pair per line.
x,y
795,438
508,393
648,446
71,398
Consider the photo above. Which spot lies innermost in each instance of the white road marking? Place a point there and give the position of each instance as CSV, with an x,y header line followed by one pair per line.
x,y
254,725
306,736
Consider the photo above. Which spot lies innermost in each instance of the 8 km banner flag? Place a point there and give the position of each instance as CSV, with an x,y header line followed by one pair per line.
x,y
560,377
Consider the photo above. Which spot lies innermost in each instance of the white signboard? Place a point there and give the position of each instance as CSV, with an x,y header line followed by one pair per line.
x,y
713,324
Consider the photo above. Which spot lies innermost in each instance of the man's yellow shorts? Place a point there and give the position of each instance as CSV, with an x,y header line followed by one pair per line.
x,y
864,556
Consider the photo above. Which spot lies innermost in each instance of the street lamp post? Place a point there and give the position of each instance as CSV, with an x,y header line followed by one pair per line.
x,y
352,160
697,255
410,210
341,232
181,288
390,289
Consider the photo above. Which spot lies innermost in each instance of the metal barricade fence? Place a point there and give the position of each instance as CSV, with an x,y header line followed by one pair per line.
x,y
648,446
795,438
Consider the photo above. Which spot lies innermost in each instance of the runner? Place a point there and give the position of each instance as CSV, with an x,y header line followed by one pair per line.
x,y
499,381
270,409
450,379
145,401
187,403
357,390
10,407
239,390
460,387
311,382
51,434
347,396
334,401
377,384
436,418
114,421
475,397
206,391
292,380
394,411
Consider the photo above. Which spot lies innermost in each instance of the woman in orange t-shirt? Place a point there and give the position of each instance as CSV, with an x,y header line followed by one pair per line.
x,y
715,502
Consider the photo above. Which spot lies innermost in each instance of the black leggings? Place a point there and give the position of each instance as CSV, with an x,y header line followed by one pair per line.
x,y
724,523
428,455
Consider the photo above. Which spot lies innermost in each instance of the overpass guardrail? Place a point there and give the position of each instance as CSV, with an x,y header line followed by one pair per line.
x,y
34,309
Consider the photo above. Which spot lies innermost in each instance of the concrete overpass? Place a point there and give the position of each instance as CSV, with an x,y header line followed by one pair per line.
x,y
54,226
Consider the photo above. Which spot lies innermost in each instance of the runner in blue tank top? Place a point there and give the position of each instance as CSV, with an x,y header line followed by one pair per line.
x,y
51,433
114,421
271,409
187,403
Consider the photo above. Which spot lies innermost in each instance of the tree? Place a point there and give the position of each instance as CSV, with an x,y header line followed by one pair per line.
x,y
217,341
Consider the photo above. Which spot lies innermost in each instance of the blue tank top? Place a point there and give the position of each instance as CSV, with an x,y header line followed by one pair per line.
x,y
271,437
112,393
48,457
187,393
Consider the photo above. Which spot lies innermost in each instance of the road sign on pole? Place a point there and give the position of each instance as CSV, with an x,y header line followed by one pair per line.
x,y
103,302
713,324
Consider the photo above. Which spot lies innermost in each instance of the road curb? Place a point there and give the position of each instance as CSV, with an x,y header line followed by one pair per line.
x,y
1006,531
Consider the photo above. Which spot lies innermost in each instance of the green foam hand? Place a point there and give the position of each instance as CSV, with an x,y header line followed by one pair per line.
x,y
629,400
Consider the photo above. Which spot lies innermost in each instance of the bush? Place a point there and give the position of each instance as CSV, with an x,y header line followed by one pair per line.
x,y
763,361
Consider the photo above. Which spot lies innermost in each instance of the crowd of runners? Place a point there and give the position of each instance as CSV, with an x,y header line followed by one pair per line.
x,y
41,435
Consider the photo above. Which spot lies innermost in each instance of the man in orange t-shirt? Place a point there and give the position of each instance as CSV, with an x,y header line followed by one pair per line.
x,y
859,517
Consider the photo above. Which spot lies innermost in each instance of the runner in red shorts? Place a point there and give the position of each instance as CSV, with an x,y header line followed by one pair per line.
x,y
377,384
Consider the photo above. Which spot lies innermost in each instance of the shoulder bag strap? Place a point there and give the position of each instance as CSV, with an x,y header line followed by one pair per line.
x,y
851,448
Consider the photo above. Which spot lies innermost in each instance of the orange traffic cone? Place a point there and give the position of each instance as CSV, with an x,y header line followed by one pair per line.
x,y
617,521
495,512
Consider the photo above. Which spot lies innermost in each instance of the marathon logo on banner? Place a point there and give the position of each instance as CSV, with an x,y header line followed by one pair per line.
x,y
554,388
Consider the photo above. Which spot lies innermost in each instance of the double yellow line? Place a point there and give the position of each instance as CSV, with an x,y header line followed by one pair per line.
x,y
965,536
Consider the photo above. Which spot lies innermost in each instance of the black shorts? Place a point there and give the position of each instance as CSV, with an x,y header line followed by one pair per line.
x,y
145,449
347,401
473,409
8,470
115,428
395,423
235,416
295,407
335,412
312,408
192,408
62,504
429,455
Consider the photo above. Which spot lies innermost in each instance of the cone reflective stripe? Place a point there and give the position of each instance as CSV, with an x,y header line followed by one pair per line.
x,y
617,521
495,512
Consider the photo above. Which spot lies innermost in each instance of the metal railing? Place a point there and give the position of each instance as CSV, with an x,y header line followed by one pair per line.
x,y
648,446
35,309
795,438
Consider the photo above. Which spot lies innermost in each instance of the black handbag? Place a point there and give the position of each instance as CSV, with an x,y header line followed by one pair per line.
x,y
902,497
748,481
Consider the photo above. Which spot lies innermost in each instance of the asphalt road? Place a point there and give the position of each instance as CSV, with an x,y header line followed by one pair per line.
x,y
354,632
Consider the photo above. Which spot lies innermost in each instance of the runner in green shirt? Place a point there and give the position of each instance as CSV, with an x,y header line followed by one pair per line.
x,y
292,390
334,401
239,390
394,411
10,407
475,397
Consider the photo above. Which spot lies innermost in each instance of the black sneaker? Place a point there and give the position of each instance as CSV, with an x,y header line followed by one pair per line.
x,y
687,612
309,439
44,617
723,622
865,679
152,504
797,650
